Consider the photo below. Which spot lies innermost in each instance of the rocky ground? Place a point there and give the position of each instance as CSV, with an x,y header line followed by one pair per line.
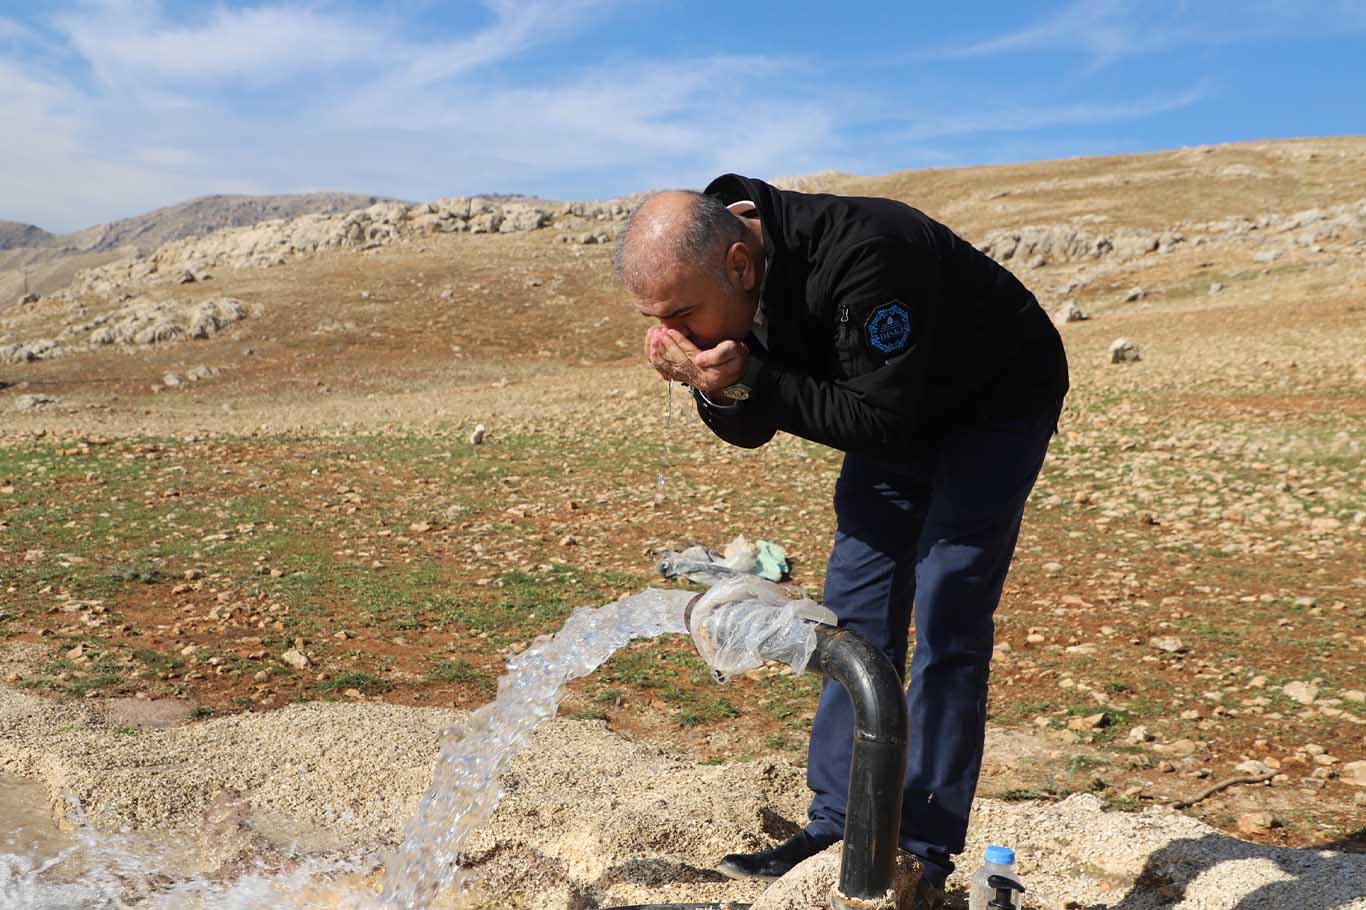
x,y
237,514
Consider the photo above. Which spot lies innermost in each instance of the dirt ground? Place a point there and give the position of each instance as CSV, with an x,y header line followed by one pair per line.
x,y
312,523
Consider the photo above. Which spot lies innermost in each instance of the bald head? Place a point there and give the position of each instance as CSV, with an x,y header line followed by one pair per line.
x,y
675,231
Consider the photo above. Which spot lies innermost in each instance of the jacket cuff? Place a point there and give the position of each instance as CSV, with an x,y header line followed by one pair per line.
x,y
715,405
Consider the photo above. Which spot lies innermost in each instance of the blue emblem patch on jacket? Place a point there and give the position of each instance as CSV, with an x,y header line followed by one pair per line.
x,y
888,328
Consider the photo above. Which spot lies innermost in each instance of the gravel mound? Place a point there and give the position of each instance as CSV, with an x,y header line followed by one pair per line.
x,y
591,819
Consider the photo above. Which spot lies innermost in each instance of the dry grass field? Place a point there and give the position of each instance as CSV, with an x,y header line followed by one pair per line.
x,y
1188,595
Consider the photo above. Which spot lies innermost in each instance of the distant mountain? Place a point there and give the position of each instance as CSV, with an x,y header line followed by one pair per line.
x,y
31,257
14,235
205,215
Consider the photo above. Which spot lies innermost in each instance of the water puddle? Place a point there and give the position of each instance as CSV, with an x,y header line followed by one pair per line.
x,y
43,867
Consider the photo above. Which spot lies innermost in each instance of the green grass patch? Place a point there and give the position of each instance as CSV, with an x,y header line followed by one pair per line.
x,y
457,670
705,709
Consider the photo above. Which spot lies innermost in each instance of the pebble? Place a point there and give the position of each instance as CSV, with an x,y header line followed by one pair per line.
x,y
1171,644
1354,773
295,659
1254,823
1302,692
477,437
1089,722
1122,350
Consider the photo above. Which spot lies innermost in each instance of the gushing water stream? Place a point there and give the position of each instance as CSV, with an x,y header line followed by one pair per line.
x,y
464,791
99,871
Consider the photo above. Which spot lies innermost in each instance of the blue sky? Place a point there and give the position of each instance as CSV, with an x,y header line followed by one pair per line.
x,y
113,107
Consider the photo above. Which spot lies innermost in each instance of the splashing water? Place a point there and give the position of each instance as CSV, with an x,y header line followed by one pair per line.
x,y
103,871
464,791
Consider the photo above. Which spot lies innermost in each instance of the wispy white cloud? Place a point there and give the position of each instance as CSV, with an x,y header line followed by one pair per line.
x,y
1029,117
130,41
1109,30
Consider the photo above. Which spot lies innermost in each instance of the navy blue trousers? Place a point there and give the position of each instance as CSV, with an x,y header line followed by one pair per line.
x,y
930,540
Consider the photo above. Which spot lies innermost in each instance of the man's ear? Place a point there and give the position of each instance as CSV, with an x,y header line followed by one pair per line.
x,y
740,266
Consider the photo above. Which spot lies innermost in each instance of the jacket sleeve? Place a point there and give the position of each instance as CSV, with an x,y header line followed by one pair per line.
x,y
882,309
740,424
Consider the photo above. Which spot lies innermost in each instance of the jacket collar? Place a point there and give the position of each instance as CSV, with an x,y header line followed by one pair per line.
x,y
735,188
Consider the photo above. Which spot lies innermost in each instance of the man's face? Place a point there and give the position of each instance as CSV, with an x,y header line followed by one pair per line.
x,y
708,309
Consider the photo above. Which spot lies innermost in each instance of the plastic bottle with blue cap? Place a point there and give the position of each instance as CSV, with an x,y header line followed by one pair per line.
x,y
995,886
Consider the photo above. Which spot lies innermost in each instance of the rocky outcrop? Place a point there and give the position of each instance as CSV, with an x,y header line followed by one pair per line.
x,y
1036,246
276,242
138,323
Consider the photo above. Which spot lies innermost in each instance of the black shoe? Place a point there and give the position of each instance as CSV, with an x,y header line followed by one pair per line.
x,y
775,863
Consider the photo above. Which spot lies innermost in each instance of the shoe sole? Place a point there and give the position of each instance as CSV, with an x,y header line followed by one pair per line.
x,y
740,875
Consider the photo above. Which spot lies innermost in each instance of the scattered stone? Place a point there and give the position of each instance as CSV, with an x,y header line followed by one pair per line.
x,y
1267,256
1215,287
1302,692
27,299
1182,748
1122,350
1256,823
1089,722
295,659
477,437
1135,293
34,402
1140,734
1253,768
171,380
1070,311
1354,773
201,372
1171,644
185,277
13,678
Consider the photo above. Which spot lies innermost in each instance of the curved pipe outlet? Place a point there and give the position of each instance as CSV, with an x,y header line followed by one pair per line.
x,y
872,818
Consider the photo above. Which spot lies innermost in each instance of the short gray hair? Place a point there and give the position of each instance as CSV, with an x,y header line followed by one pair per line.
x,y
709,225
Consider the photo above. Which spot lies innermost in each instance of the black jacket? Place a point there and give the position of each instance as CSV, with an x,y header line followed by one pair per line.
x,y
884,329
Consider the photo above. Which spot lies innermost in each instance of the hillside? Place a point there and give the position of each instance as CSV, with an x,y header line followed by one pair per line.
x,y
50,260
237,475
14,235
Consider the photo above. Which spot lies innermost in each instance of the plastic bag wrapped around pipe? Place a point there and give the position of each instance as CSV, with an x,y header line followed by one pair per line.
x,y
742,622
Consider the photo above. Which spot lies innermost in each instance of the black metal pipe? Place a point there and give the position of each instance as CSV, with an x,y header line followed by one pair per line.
x,y
872,818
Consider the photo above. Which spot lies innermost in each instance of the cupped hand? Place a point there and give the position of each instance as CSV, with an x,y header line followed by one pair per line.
x,y
709,370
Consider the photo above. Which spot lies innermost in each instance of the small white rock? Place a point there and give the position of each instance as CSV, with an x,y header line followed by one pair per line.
x,y
1122,350
477,437
1300,691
